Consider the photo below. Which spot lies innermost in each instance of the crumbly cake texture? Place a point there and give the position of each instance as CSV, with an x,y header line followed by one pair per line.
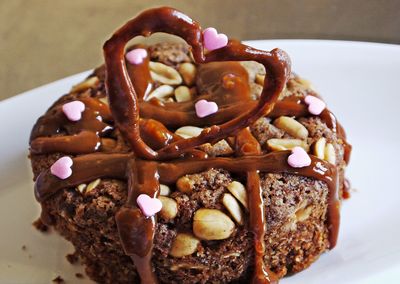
x,y
295,211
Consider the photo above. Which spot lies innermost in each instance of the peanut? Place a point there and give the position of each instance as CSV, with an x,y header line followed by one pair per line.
x,y
260,79
184,184
188,131
183,245
330,155
161,93
239,191
169,208
164,190
164,74
232,205
81,188
188,72
212,224
92,185
182,94
276,144
319,148
292,127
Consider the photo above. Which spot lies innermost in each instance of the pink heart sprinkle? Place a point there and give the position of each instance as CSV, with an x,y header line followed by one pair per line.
x,y
136,56
205,108
315,105
73,110
214,40
62,167
299,158
149,206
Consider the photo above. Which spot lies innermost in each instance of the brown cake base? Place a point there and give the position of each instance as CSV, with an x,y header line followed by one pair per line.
x,y
296,209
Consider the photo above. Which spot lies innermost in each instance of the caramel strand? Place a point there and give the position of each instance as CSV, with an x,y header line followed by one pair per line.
x,y
247,145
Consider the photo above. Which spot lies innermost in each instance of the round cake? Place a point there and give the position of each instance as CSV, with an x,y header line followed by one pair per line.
x,y
199,162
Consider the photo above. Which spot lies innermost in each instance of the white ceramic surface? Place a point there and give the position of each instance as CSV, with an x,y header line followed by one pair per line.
x,y
359,81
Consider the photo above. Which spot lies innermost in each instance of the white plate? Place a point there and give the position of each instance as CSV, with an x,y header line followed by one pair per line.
x,y
360,83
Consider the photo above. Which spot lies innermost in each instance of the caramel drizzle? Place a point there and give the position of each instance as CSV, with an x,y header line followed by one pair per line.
x,y
136,231
124,102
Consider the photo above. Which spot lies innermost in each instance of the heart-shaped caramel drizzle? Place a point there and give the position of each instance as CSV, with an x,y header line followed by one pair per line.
x,y
124,100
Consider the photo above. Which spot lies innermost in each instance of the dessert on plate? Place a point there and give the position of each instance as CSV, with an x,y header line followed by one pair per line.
x,y
206,161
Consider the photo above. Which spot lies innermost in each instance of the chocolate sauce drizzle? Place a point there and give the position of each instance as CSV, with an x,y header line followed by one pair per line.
x,y
160,156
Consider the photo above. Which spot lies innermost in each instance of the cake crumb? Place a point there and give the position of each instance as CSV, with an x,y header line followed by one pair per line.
x,y
58,280
39,225
72,258
79,275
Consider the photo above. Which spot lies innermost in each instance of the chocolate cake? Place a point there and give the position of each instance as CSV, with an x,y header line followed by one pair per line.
x,y
199,162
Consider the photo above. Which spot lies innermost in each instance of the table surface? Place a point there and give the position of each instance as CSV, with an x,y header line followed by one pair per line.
x,y
44,40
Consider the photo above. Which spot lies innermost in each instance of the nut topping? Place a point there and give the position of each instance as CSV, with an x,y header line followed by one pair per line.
x,y
292,127
164,190
182,94
188,72
188,131
319,148
183,245
239,191
212,224
276,144
184,184
164,74
161,93
232,205
325,151
169,208
330,155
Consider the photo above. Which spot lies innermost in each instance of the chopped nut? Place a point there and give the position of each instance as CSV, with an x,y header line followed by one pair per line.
x,y
81,188
188,72
88,83
92,185
319,148
164,190
184,184
330,155
291,126
161,93
164,74
188,131
169,208
233,207
239,191
212,224
276,144
303,213
183,245
182,94
104,100
260,79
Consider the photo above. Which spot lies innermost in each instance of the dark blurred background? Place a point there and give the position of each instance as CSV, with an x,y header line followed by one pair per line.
x,y
45,40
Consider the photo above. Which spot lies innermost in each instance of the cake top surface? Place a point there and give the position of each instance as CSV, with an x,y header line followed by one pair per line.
x,y
164,139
